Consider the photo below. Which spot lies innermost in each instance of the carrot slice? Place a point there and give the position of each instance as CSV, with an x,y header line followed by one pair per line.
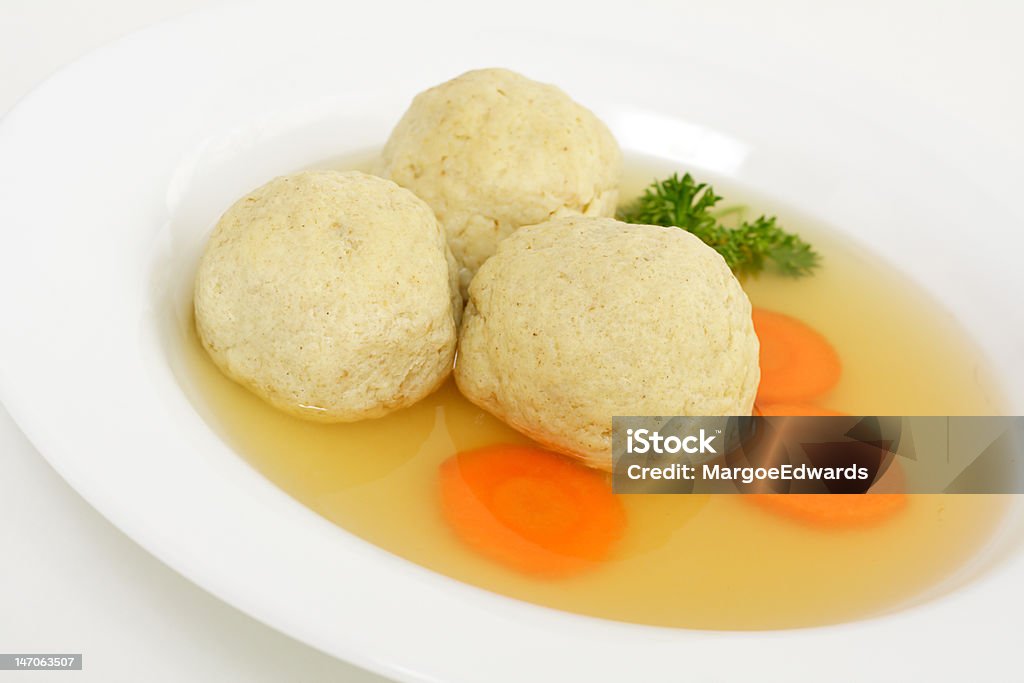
x,y
833,510
842,510
797,363
773,409
530,509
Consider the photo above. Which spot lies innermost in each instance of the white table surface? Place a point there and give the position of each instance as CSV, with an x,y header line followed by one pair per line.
x,y
71,582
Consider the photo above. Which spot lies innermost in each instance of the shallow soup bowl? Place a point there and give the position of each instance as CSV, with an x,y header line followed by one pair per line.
x,y
114,171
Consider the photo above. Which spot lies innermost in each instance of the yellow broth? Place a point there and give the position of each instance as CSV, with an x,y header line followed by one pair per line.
x,y
713,562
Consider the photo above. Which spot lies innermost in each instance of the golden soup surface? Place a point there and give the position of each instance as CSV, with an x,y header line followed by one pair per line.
x,y
712,562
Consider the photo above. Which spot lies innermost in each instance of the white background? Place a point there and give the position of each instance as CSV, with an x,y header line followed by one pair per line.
x,y
70,582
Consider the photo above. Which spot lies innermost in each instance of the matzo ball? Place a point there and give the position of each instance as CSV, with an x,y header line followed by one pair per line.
x,y
492,150
330,294
578,319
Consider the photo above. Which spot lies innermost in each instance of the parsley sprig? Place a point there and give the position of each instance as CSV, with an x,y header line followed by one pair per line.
x,y
747,248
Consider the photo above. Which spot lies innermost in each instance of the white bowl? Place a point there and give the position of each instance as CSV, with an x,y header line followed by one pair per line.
x,y
113,171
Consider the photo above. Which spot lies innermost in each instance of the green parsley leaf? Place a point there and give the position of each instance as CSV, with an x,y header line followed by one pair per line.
x,y
747,248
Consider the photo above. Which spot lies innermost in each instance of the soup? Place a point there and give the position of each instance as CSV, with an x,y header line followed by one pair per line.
x,y
710,562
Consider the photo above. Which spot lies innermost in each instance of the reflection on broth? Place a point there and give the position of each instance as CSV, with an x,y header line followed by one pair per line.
x,y
715,562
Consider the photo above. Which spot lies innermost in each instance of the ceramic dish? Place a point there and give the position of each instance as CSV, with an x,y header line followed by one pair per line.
x,y
115,169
